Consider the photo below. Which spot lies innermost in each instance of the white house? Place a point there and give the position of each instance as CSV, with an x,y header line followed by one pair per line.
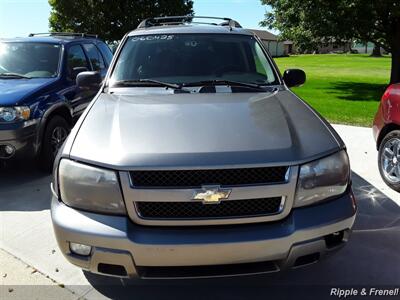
x,y
273,44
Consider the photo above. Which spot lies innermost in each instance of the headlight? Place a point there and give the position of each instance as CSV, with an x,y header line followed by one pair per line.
x,y
13,114
90,188
322,179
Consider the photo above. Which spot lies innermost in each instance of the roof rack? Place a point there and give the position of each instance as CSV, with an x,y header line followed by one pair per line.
x,y
67,34
179,20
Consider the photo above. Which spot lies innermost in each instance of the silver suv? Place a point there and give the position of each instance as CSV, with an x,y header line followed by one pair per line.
x,y
195,159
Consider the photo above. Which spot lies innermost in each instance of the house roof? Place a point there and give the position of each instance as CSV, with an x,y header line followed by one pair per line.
x,y
264,35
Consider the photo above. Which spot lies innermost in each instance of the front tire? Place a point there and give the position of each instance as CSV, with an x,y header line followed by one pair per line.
x,y
389,159
56,132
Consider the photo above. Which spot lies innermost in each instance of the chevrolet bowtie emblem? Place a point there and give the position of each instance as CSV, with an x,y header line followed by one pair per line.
x,y
211,194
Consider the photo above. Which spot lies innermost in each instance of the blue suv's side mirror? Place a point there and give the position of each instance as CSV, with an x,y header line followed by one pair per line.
x,y
89,80
77,70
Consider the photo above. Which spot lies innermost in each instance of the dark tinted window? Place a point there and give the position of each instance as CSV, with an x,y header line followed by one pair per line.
x,y
94,56
76,58
105,50
181,58
30,59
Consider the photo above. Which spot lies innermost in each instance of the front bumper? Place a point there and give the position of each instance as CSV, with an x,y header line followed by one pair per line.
x,y
22,137
122,248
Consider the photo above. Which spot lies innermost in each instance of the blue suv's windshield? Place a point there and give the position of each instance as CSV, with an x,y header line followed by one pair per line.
x,y
32,60
193,58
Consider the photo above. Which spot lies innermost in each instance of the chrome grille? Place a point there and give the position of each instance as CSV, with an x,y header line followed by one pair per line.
x,y
198,178
197,210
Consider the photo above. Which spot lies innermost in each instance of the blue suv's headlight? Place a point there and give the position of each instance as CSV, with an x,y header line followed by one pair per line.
x,y
14,114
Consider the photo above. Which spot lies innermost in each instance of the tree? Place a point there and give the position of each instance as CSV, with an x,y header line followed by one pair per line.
x,y
110,19
312,22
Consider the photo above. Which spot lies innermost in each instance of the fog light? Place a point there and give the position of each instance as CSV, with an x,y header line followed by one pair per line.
x,y
9,149
80,249
6,151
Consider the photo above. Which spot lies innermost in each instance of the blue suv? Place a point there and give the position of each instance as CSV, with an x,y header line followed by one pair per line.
x,y
39,98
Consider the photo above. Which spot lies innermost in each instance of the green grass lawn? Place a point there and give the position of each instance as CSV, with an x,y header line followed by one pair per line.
x,y
345,89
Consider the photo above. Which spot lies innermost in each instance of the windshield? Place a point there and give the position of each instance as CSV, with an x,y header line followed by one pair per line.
x,y
29,59
191,58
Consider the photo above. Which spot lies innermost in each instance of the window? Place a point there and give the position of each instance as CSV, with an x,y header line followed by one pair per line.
x,y
94,56
182,58
30,59
76,59
262,65
105,50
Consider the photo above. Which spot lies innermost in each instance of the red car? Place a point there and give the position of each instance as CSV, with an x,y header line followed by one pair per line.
x,y
386,130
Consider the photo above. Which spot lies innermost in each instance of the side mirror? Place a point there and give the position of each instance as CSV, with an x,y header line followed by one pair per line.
x,y
77,70
294,77
89,80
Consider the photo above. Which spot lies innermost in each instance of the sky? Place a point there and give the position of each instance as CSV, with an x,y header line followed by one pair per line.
x,y
21,17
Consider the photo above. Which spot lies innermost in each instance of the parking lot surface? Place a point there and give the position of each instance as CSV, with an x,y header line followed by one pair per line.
x,y
371,258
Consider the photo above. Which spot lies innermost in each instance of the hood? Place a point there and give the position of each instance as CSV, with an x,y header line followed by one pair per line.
x,y
201,130
14,91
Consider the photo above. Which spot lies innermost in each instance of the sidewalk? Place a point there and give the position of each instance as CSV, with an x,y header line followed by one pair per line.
x,y
20,281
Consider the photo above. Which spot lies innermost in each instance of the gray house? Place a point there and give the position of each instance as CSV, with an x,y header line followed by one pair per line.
x,y
273,44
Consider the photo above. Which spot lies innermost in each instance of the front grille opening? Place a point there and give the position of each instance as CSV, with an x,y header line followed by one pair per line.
x,y
198,178
307,259
207,271
110,269
198,210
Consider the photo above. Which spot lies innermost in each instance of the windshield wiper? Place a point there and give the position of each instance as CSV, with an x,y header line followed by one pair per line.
x,y
224,82
152,81
13,75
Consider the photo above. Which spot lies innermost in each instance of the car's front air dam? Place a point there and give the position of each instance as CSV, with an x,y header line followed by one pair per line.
x,y
122,248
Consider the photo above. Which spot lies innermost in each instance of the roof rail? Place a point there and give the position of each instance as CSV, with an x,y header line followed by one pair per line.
x,y
177,20
68,34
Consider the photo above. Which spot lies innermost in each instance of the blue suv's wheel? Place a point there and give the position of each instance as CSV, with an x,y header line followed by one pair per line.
x,y
56,132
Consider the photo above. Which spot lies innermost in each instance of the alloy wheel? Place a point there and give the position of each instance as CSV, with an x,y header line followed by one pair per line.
x,y
58,137
390,160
